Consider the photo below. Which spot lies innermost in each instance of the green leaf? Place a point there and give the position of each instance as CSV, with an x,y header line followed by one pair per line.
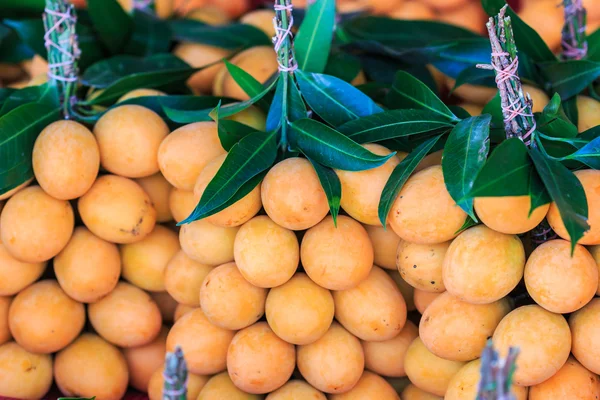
x,y
409,92
31,31
494,108
588,154
461,54
150,36
465,153
569,78
330,148
343,65
475,76
22,96
394,124
591,133
593,40
506,172
333,99
313,42
247,159
537,191
232,36
400,175
331,185
230,132
113,24
553,121
566,191
571,111
251,86
469,223
287,105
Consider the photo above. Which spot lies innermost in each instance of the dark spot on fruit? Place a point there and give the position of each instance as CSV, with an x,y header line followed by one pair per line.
x,y
427,319
414,266
433,282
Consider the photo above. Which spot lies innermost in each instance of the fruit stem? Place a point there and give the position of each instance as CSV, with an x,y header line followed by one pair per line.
x,y
62,45
516,105
496,374
175,376
574,42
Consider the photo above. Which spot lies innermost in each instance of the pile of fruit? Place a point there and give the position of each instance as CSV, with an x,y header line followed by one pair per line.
x,y
353,210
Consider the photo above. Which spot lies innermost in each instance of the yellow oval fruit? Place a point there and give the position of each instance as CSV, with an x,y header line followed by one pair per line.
x,y
16,275
210,15
411,392
509,214
538,96
207,243
117,210
135,93
35,227
183,309
470,16
266,254
237,213
5,334
385,244
374,310
590,180
423,299
299,311
543,339
427,371
482,265
458,331
199,55
477,94
229,301
361,190
11,192
88,268
544,18
296,389
292,194
181,203
421,265
588,110
143,360
194,384
204,345
43,319
158,189
472,109
166,304
126,317
91,366
251,116
129,137
412,10
559,281
444,5
220,387
369,385
186,151
594,251
585,328
24,375
337,258
572,381
424,212
261,19
65,159
387,357
184,277
408,292
258,361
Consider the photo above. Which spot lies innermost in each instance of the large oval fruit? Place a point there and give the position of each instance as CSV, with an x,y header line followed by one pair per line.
x,y
24,375
421,265
16,275
572,381
369,385
509,214
385,244
296,390
143,360
184,277
387,357
207,243
159,190
220,387
585,328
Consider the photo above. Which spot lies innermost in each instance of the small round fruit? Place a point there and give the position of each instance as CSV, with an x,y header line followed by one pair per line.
x,y
411,392
183,309
427,371
204,345
337,258
482,265
90,366
334,363
571,381
296,389
194,384
35,227
65,159
117,210
509,214
387,358
5,334
369,385
421,265
543,339
207,243
424,212
423,299
166,304
374,310
199,55
88,268
546,19
361,190
229,301
126,317
588,110
143,360
559,281
385,244
186,151
43,319
16,275
129,137
24,375
585,328
408,292
261,19
158,189
135,93
299,311
220,387
258,361
266,254
590,180
144,262
184,277
181,203
237,213
458,331
292,194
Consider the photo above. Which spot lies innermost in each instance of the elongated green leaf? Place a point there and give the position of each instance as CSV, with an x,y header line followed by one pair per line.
x,y
400,175
465,153
12,48
22,96
588,154
494,108
249,157
475,76
460,54
409,92
569,78
553,121
506,172
591,133
330,148
394,124
469,223
230,132
571,111
593,40
313,42
333,99
331,185
233,36
566,191
251,86
31,31
287,105
343,65
537,191
113,24
150,35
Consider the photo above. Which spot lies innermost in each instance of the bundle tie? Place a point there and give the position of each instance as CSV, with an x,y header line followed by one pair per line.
x,y
49,43
280,36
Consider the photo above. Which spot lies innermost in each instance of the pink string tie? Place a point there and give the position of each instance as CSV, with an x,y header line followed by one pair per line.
x,y
280,36
70,58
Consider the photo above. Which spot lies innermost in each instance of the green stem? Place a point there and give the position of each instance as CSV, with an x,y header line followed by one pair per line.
x,y
175,376
574,41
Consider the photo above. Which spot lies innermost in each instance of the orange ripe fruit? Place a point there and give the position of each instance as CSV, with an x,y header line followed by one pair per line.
x,y
233,8
369,384
412,10
194,384
594,251
337,258
539,98
411,392
9,194
476,94
158,189
183,309
143,360
470,16
184,277
423,299
421,265
546,19
16,275
135,93
385,244
198,55
445,5
24,375
220,387
472,109
207,243
571,381
387,357
261,19
588,109
209,15
509,214
296,389
181,203
585,328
